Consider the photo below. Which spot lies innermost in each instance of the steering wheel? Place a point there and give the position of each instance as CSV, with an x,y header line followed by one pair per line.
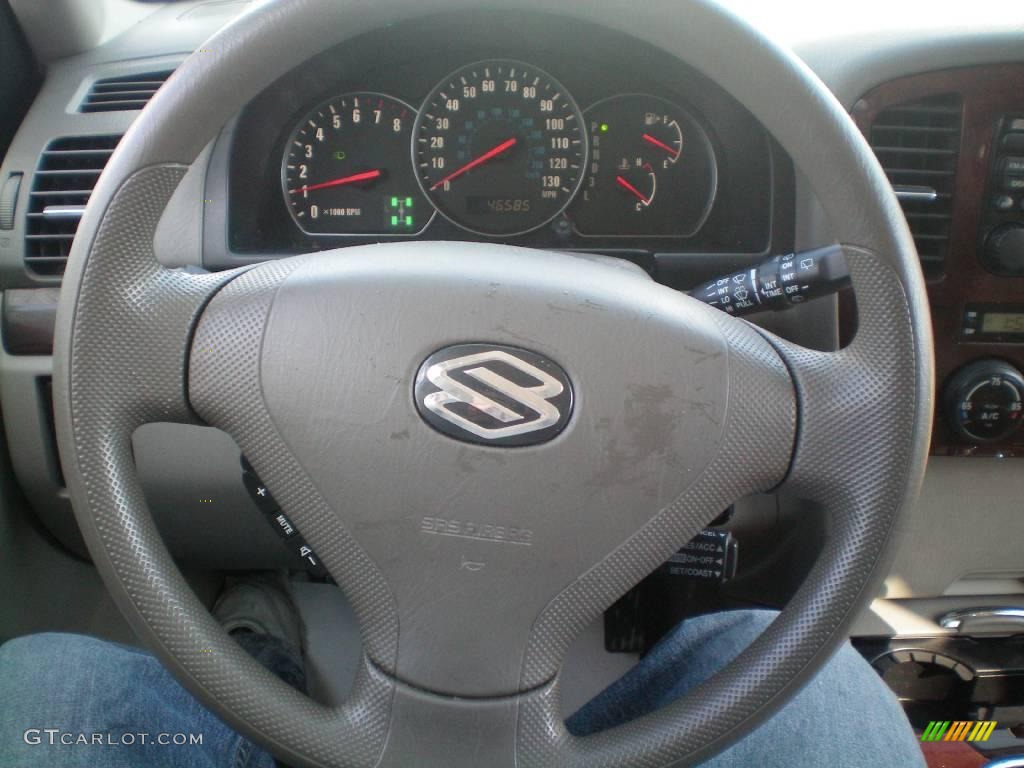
x,y
473,560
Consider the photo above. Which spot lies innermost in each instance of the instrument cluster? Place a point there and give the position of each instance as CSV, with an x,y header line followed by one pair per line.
x,y
499,148
429,132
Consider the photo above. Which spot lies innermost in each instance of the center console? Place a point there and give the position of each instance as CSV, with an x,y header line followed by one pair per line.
x,y
947,634
952,143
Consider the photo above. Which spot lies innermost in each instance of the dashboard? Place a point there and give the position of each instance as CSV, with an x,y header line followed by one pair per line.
x,y
726,200
593,141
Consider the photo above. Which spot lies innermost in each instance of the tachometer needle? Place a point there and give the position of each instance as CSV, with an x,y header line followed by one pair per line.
x,y
636,192
660,145
355,177
507,144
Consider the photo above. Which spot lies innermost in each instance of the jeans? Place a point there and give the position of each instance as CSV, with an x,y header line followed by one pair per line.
x,y
844,718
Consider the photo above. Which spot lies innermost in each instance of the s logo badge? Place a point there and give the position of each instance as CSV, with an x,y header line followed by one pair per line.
x,y
493,395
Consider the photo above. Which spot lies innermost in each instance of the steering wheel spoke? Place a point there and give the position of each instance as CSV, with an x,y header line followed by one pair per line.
x,y
134,347
849,398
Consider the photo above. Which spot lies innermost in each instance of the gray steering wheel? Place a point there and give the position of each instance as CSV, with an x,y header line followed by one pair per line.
x,y
310,363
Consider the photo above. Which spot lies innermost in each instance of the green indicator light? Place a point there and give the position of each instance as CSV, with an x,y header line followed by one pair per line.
x,y
604,127
394,221
339,155
408,221
394,202
408,202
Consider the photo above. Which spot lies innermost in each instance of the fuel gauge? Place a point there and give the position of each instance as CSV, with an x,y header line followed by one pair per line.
x,y
652,171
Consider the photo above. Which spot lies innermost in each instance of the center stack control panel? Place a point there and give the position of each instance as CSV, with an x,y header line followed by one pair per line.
x,y
983,400
951,142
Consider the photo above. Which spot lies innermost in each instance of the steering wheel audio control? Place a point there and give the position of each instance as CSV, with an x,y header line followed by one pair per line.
x,y
280,522
984,401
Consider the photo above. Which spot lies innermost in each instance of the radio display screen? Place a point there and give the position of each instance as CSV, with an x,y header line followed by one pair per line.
x,y
993,324
1002,322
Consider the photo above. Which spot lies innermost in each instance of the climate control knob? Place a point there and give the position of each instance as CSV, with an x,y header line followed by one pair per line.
x,y
984,401
1004,250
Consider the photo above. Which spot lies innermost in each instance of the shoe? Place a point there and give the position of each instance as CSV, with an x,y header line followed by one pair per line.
x,y
261,602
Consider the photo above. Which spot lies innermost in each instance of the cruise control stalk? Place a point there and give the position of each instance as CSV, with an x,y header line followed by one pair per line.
x,y
780,282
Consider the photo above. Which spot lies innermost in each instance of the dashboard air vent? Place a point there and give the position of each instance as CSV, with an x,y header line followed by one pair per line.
x,y
917,144
64,179
123,94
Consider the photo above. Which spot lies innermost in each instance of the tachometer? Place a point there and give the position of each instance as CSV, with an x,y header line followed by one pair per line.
x,y
499,147
346,169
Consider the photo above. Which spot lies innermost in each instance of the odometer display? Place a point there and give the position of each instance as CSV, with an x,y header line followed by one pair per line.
x,y
499,148
346,169
499,205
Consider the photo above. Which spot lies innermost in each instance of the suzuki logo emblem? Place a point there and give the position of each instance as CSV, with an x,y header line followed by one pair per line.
x,y
493,395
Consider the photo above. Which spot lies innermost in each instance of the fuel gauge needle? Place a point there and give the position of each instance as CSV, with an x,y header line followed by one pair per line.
x,y
632,190
660,145
355,177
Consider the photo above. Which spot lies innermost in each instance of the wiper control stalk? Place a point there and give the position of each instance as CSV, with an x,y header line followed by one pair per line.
x,y
780,282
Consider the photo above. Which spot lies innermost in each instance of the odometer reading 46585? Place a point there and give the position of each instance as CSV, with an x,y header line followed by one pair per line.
x,y
499,147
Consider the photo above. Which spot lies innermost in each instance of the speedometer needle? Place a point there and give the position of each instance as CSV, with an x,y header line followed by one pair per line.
x,y
660,145
627,186
478,161
364,176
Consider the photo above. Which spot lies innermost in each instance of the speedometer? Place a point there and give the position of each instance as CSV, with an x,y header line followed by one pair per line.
x,y
499,147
